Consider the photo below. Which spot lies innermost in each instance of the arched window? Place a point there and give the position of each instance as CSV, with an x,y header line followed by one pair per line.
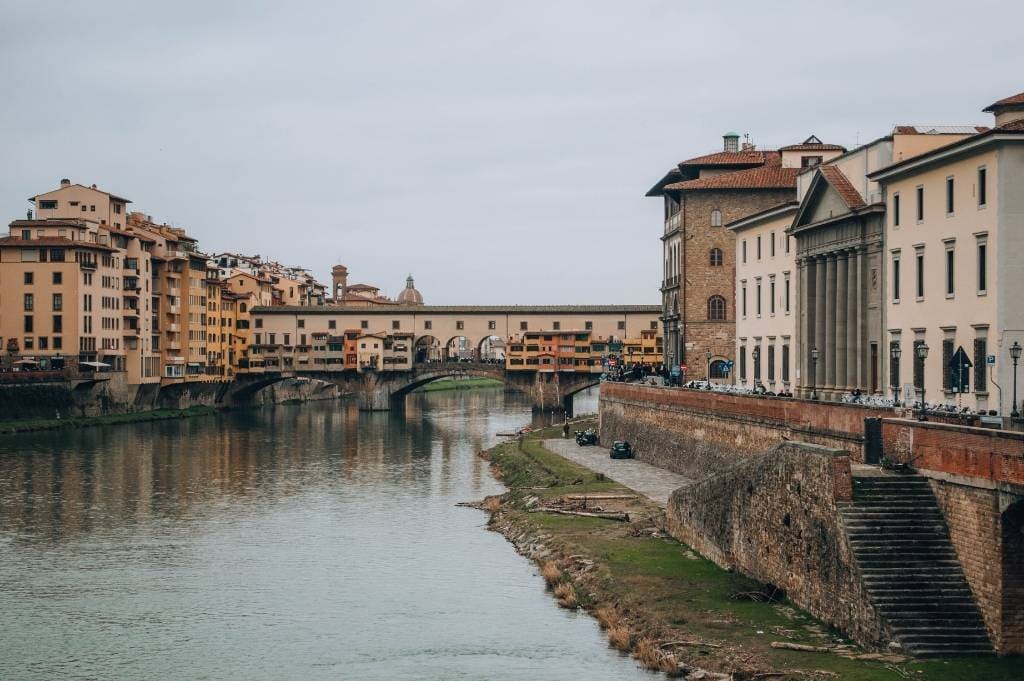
x,y
718,369
716,309
716,257
716,218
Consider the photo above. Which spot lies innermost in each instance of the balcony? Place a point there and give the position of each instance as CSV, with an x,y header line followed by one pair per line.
x,y
87,264
673,222
172,328
172,345
132,313
669,282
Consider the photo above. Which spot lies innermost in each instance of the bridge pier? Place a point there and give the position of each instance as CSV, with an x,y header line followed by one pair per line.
x,y
374,393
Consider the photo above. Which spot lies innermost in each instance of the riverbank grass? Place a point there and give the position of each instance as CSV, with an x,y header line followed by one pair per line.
x,y
472,383
29,425
664,603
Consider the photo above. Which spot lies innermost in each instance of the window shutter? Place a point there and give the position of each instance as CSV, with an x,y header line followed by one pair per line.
x,y
980,375
947,357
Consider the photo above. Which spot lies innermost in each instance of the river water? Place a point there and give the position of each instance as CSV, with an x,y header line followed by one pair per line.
x,y
294,542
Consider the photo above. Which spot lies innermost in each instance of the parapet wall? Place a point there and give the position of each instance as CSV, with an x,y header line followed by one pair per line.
x,y
694,432
773,516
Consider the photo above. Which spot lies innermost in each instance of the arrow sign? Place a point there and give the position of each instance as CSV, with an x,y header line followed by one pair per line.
x,y
959,369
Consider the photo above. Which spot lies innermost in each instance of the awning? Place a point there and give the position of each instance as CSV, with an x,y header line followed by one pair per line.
x,y
26,361
194,364
98,365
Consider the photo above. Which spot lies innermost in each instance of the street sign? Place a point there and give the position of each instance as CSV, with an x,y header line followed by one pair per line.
x,y
959,369
728,364
990,360
684,367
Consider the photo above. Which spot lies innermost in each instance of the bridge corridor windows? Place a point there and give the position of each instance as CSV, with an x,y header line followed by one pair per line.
x,y
427,350
459,349
492,350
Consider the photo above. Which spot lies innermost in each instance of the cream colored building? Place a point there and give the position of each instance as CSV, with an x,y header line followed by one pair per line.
x,y
954,247
765,301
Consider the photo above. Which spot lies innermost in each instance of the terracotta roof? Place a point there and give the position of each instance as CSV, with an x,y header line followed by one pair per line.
x,y
785,206
820,146
727,158
938,129
1013,100
53,241
131,235
765,177
1012,126
113,197
363,287
51,222
850,196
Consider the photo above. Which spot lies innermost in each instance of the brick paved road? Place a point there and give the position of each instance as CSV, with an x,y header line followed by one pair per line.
x,y
654,483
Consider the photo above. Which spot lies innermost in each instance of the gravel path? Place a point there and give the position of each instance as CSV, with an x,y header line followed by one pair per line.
x,y
654,483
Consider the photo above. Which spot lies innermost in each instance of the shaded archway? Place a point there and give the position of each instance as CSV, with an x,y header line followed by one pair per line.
x,y
1012,606
491,350
427,350
459,349
718,369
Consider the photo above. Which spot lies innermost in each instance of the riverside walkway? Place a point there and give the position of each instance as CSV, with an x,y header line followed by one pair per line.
x,y
657,484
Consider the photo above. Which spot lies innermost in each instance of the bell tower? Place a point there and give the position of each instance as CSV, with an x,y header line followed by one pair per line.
x,y
339,281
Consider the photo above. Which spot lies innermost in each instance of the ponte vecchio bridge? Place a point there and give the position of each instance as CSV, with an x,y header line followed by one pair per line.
x,y
382,353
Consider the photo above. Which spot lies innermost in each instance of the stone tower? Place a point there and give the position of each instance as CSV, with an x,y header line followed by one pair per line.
x,y
339,281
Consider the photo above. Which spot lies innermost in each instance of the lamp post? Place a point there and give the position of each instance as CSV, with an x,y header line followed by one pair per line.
x,y
921,351
1015,356
894,353
814,373
707,364
755,355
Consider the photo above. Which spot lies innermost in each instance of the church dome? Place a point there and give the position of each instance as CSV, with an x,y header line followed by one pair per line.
x,y
409,295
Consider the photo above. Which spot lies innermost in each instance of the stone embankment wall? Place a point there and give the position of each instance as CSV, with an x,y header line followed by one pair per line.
x,y
114,395
978,478
773,516
695,432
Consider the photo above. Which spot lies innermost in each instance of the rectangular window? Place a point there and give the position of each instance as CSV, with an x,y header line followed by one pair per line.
x,y
460,325
982,194
332,324
771,296
982,268
743,363
558,325
771,244
949,196
523,326
47,204
58,278
58,324
785,285
771,363
492,325
428,325
395,324
950,272
58,302
758,246
28,323
58,343
29,302
757,299
918,365
920,276
896,210
259,323
947,361
743,250
787,243
785,362
364,324
302,323
896,278
287,339
920,204
755,355
622,326
743,298
589,326
654,326
28,278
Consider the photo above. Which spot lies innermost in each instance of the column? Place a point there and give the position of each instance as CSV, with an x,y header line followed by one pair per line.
x,y
817,371
830,321
863,376
842,295
805,338
852,321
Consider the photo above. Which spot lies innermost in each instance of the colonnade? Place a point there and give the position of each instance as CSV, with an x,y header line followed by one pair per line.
x,y
834,295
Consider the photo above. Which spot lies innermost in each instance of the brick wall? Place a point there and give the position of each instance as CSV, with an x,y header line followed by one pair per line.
x,y
978,478
773,516
690,431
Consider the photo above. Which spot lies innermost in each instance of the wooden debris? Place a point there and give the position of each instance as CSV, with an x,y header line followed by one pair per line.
x,y
786,645
696,644
607,515
598,497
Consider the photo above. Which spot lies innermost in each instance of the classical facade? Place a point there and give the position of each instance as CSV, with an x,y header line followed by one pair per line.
x,y
765,300
701,195
954,244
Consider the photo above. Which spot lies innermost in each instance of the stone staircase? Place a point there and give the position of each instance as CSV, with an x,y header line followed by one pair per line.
x,y
910,569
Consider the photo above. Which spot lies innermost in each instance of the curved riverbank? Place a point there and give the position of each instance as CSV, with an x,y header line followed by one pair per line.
x,y
659,600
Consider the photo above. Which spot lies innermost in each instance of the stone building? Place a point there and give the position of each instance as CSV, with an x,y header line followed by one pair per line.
x,y
954,243
839,229
701,195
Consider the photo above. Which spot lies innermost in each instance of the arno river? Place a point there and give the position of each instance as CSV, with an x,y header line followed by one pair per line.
x,y
298,542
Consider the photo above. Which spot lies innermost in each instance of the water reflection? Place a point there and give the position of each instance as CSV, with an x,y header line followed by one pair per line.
x,y
307,541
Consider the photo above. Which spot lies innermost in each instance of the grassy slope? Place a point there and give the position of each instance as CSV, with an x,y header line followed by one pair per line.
x,y
27,425
460,384
676,594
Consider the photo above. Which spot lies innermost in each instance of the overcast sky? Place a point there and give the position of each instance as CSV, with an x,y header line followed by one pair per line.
x,y
498,151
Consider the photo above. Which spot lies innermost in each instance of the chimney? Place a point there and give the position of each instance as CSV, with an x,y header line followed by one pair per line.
x,y
65,182
731,142
94,186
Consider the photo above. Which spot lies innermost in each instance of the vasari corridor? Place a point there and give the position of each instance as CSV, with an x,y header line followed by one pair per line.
x,y
461,341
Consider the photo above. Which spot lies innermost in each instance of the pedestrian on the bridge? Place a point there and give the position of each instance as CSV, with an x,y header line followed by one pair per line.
x,y
565,429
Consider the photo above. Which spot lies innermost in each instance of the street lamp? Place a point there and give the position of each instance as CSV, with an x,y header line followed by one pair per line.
x,y
755,355
814,373
922,354
707,364
894,353
1015,356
